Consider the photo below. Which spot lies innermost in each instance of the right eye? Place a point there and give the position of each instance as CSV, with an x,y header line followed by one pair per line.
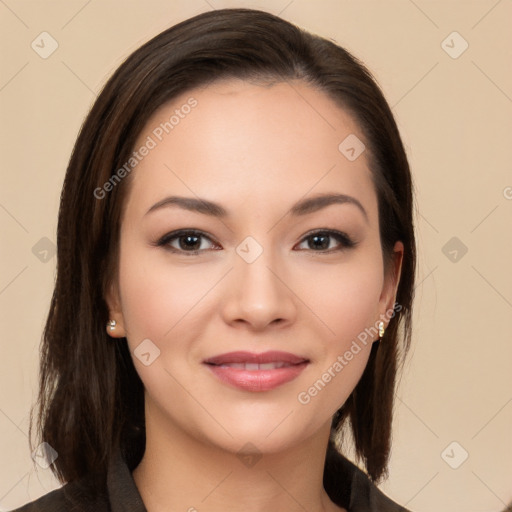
x,y
185,241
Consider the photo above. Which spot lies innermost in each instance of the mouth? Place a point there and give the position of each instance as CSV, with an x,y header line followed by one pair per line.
x,y
273,357
256,372
253,366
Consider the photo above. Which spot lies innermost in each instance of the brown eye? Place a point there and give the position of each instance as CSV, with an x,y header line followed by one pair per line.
x,y
185,241
322,241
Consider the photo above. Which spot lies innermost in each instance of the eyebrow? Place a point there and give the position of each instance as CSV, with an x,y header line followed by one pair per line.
x,y
302,207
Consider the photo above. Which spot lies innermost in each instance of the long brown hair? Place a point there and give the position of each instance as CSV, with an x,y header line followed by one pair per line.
x,y
91,400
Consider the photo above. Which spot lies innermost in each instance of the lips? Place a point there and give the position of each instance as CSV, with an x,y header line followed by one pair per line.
x,y
254,366
256,372
249,357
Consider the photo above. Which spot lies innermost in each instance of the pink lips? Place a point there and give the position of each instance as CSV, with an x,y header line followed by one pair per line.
x,y
256,372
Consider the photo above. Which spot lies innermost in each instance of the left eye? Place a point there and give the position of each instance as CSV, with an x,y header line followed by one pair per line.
x,y
320,240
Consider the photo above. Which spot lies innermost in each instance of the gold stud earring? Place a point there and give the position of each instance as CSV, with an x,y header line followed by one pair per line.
x,y
381,329
112,325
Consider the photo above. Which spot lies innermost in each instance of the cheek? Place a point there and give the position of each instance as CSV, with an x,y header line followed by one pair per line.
x,y
345,298
156,297
348,316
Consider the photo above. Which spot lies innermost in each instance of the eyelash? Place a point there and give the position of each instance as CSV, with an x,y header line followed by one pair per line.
x,y
342,238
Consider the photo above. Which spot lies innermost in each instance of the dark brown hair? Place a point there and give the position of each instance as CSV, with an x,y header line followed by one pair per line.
x,y
91,399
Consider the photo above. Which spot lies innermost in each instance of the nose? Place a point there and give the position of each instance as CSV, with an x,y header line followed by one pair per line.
x,y
259,295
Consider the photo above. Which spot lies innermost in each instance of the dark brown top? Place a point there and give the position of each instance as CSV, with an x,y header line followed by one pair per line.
x,y
347,486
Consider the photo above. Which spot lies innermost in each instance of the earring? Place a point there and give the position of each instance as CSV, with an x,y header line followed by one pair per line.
x,y
112,325
381,329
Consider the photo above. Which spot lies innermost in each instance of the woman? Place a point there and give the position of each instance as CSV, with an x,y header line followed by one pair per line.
x,y
236,262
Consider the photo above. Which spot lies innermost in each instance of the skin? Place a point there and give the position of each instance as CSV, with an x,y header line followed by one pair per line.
x,y
256,150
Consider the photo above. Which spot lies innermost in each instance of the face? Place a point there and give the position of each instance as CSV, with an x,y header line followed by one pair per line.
x,y
240,316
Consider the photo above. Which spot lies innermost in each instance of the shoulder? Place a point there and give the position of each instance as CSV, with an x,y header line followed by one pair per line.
x,y
80,496
351,488
366,496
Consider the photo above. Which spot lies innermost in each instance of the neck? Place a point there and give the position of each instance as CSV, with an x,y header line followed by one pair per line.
x,y
180,472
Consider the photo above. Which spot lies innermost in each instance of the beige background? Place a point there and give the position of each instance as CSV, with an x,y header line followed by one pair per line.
x,y
455,118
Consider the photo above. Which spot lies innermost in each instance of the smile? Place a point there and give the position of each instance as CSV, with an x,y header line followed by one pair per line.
x,y
255,366
256,372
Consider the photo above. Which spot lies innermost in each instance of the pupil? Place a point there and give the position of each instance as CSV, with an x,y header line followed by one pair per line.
x,y
324,245
188,244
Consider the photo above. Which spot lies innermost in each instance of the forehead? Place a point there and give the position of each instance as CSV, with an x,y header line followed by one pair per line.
x,y
242,140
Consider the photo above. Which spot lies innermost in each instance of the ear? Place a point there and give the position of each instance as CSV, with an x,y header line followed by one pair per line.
x,y
392,279
113,300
